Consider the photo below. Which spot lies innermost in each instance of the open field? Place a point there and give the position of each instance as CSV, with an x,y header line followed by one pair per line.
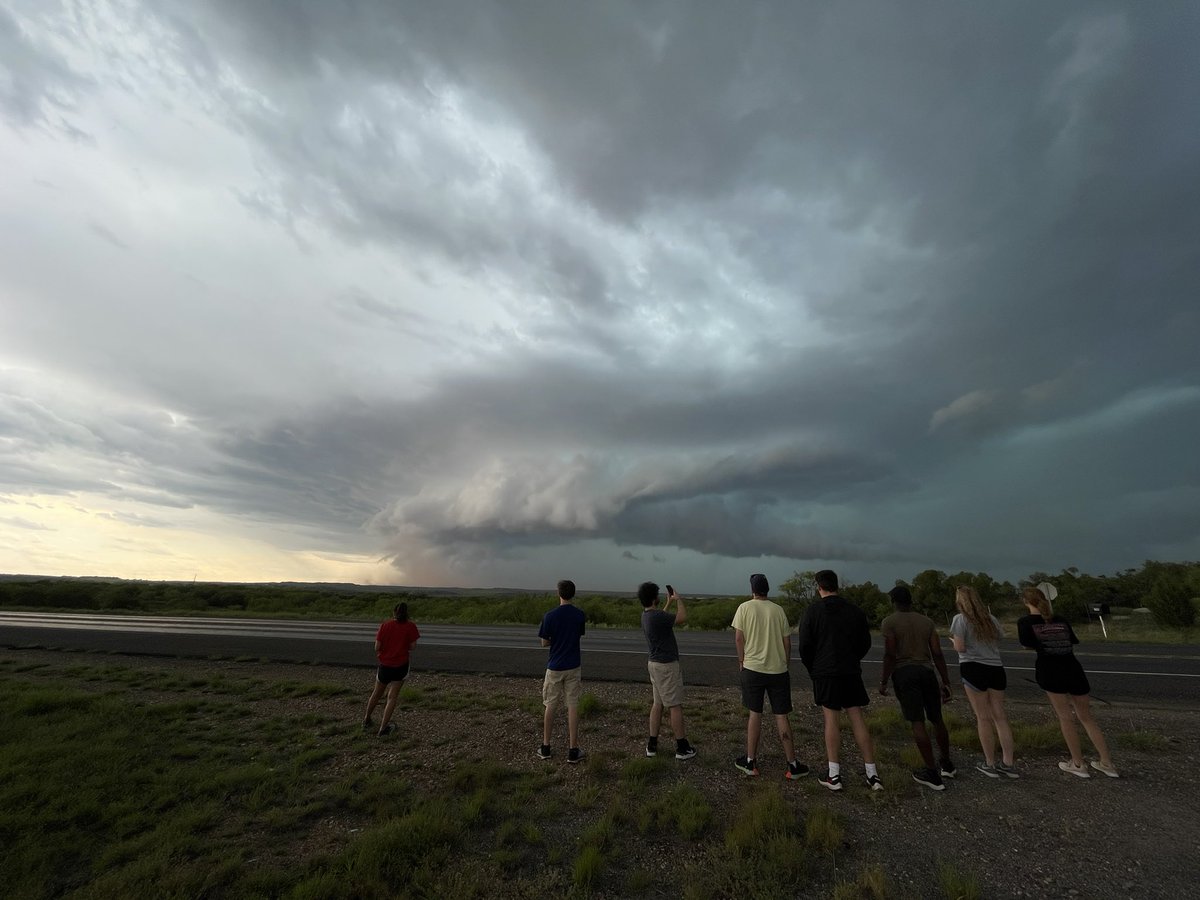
x,y
156,777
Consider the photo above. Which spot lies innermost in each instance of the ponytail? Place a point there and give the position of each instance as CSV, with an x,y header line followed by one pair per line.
x,y
1035,598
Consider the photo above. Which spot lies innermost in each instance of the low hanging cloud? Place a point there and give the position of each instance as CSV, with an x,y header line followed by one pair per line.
x,y
481,289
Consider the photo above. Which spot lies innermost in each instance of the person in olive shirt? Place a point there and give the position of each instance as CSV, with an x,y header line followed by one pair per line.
x,y
666,676
911,650
764,646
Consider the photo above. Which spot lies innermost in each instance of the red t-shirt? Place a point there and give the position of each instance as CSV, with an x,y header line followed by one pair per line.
x,y
395,640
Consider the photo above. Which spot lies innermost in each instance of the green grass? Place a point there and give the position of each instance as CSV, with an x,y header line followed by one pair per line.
x,y
145,782
1148,741
136,800
956,884
871,884
823,830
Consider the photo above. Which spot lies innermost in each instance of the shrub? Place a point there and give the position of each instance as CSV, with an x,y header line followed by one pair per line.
x,y
1171,605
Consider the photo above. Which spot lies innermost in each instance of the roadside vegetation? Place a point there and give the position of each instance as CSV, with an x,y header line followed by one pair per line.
x,y
1157,602
132,779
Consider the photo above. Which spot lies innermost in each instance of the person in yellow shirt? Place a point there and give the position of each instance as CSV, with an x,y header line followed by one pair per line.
x,y
764,648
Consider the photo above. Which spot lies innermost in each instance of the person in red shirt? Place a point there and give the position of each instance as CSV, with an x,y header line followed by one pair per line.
x,y
393,642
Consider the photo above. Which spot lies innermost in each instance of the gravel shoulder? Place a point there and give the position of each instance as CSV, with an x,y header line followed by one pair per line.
x,y
1045,835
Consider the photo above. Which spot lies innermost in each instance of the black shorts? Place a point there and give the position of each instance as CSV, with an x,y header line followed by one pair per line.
x,y
778,687
1062,675
839,691
388,674
917,690
981,677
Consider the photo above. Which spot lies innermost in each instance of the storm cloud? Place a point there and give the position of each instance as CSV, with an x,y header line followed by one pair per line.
x,y
492,294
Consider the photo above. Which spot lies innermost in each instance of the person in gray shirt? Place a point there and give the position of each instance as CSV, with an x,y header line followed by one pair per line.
x,y
666,676
976,633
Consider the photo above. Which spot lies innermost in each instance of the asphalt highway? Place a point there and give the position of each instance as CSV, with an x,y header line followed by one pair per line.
x,y
1142,674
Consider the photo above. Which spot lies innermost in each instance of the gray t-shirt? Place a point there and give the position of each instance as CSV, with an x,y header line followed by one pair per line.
x,y
659,627
974,649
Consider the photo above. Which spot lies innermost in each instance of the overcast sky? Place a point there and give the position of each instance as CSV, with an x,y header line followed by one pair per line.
x,y
490,294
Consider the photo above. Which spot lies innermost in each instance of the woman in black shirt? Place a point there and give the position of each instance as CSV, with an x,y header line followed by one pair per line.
x,y
1061,676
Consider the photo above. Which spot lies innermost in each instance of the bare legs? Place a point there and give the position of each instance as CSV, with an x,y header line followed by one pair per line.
x,y
392,689
1064,705
374,701
656,714
1003,729
572,724
754,729
833,733
921,738
991,721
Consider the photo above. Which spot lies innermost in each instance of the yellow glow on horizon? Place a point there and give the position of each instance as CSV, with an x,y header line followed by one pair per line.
x,y
83,534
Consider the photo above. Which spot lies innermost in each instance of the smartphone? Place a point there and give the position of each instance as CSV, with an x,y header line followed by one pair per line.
x,y
670,591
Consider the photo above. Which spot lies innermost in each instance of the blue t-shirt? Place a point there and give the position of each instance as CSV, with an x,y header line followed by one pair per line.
x,y
563,627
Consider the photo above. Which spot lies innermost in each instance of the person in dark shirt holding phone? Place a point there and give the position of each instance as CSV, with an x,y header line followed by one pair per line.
x,y
666,675
1061,676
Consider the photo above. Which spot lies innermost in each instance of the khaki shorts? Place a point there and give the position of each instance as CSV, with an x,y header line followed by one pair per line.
x,y
666,680
561,686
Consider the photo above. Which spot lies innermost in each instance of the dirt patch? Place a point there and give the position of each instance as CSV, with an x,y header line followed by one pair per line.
x,y
1045,835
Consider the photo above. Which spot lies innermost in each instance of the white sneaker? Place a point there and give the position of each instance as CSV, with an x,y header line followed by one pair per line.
x,y
1107,770
1079,771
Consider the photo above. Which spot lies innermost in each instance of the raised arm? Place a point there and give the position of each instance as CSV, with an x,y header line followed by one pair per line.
x,y
680,609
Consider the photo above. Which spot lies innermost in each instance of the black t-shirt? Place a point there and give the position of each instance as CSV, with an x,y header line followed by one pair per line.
x,y
1051,639
834,637
659,627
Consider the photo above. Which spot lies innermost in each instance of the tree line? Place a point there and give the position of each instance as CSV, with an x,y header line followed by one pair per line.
x,y
1168,589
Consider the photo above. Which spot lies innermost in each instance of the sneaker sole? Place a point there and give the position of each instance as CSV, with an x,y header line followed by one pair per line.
x,y
684,757
1009,773
990,773
949,774
929,784
790,777
832,787
878,786
1078,773
749,773
1111,773
650,754
576,762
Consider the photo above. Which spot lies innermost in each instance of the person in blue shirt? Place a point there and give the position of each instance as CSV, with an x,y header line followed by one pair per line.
x,y
561,629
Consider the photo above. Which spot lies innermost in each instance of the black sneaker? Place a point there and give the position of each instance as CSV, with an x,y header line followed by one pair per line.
x,y
874,783
387,729
652,746
795,770
930,778
543,751
949,770
575,755
742,764
684,751
368,726
833,782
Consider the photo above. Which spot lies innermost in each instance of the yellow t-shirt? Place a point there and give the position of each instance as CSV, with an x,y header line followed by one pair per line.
x,y
764,625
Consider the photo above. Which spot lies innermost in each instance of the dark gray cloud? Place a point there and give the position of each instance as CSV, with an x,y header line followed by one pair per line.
x,y
482,288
